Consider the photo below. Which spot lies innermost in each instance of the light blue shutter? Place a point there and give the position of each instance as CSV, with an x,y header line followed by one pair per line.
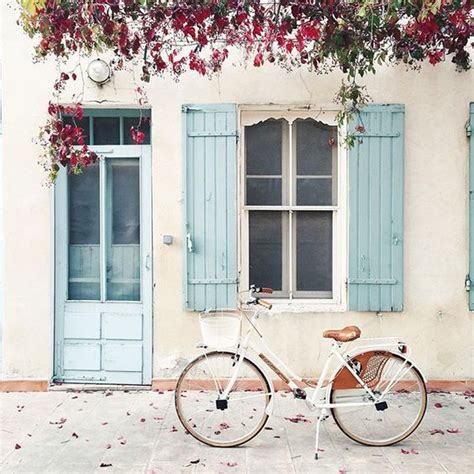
x,y
210,156
469,127
376,211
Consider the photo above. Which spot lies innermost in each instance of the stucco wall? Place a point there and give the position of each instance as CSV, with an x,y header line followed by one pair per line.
x,y
436,321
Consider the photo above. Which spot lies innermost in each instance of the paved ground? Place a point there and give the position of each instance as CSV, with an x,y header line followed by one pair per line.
x,y
137,432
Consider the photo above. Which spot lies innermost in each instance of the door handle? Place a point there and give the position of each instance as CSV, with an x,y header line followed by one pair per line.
x,y
189,242
148,262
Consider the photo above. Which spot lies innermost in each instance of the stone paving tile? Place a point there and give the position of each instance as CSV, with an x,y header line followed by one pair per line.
x,y
138,432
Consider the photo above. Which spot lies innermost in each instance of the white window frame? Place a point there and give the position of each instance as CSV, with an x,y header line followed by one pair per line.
x,y
252,114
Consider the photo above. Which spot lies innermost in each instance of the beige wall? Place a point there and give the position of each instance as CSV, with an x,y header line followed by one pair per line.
x,y
436,321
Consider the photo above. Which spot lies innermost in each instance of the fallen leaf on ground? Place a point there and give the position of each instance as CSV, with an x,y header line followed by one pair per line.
x,y
74,397
342,471
60,422
158,418
142,420
105,423
229,463
268,428
196,461
436,431
109,393
298,419
404,451
438,405
413,451
103,464
108,446
17,446
224,426
29,435
75,435
174,429
277,436
453,430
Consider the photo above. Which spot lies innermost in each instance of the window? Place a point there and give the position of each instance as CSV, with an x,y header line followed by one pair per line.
x,y
291,201
112,126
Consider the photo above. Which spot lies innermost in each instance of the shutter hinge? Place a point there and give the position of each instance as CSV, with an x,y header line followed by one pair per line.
x,y
468,128
467,282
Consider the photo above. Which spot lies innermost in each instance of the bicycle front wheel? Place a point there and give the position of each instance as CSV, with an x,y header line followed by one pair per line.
x,y
401,408
209,416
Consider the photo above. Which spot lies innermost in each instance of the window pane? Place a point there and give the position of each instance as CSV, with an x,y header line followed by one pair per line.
x,y
263,191
106,130
314,147
263,148
129,122
314,192
83,123
84,235
314,251
265,249
123,229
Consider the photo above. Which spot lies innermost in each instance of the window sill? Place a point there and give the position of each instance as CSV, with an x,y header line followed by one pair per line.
x,y
306,306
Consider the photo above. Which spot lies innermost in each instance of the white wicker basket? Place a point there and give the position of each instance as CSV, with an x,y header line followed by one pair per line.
x,y
220,329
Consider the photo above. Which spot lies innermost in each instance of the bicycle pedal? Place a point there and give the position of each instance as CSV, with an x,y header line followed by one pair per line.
x,y
299,393
381,406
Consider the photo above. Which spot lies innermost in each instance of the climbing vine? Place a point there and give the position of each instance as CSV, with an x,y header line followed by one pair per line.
x,y
173,37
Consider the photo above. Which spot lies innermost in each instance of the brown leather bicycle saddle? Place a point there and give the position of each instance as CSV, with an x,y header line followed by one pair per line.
x,y
349,333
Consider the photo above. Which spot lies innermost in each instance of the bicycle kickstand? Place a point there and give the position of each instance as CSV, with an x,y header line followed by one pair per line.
x,y
322,416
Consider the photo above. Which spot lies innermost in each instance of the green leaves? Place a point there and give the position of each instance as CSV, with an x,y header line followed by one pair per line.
x,y
31,6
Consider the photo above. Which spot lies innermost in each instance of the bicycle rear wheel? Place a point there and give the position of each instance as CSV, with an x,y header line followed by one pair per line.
x,y
213,419
401,410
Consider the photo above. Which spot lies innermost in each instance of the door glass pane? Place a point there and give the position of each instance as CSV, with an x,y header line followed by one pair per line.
x,y
266,249
84,235
315,163
314,252
106,130
123,229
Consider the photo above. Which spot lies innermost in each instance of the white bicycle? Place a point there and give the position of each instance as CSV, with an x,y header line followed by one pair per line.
x,y
224,397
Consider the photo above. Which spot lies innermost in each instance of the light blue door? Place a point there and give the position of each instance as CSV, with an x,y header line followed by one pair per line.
x,y
103,278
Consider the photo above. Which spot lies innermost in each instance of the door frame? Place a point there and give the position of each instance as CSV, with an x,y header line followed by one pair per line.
x,y
60,253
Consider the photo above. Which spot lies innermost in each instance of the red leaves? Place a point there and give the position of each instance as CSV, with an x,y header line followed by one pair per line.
x,y
438,405
17,446
411,451
298,419
453,430
436,431
229,463
137,135
435,57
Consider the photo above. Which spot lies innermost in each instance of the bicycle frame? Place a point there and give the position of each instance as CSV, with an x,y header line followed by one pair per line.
x,y
320,399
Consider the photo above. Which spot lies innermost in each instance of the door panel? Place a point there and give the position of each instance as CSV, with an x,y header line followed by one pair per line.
x,y
103,271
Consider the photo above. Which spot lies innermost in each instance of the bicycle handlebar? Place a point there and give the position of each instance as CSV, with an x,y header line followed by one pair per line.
x,y
265,304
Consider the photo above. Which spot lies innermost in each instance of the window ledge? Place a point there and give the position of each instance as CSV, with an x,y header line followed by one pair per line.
x,y
306,306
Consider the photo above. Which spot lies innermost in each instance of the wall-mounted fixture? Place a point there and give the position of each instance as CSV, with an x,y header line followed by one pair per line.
x,y
99,71
167,239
